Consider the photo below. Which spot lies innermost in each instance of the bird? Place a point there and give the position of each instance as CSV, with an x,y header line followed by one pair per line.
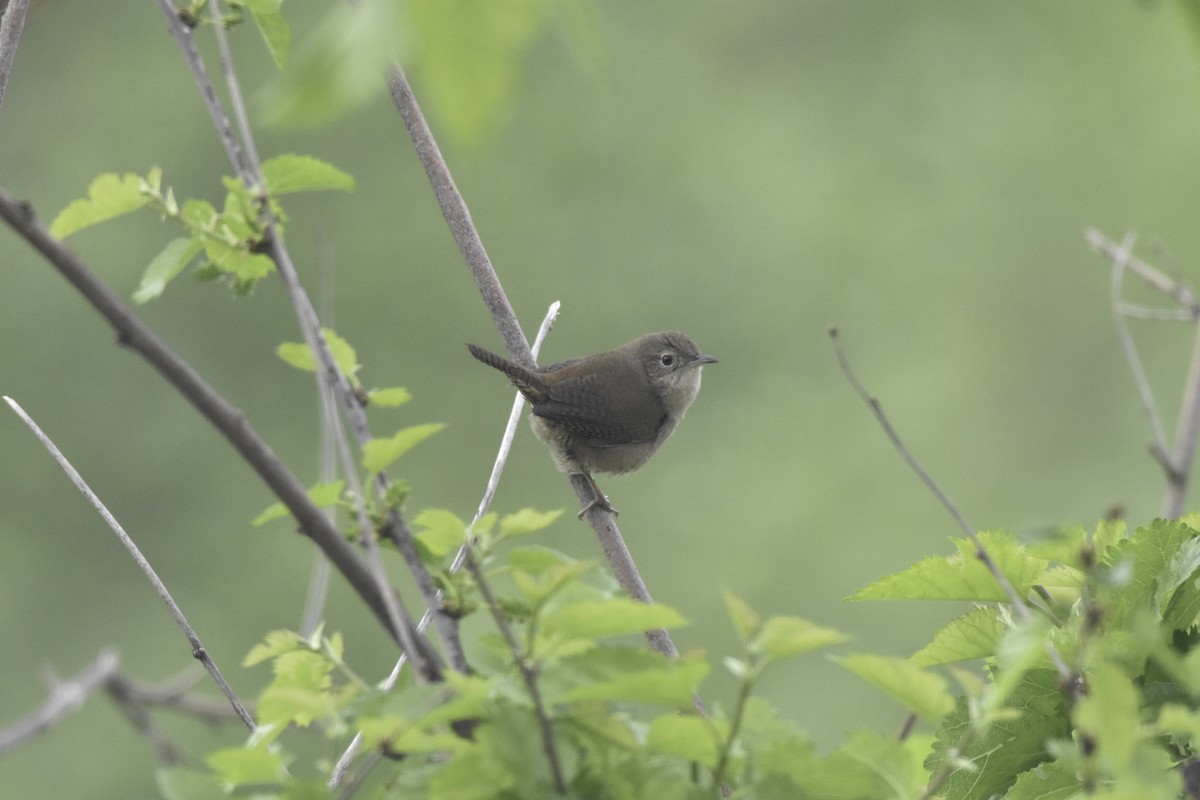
x,y
608,412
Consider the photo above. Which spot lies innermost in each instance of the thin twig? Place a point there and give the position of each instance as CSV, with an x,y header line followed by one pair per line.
x,y
243,156
1151,276
1186,431
198,650
10,33
1145,394
65,697
338,773
133,333
980,551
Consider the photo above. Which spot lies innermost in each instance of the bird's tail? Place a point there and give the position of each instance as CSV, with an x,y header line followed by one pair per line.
x,y
527,381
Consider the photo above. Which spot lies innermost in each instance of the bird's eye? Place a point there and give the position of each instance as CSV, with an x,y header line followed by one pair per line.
x,y
667,359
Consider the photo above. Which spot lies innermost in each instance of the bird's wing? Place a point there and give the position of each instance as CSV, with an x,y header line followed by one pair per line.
x,y
605,416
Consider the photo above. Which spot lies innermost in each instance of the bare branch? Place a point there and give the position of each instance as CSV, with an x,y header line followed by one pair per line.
x,y
10,34
65,697
1186,431
198,650
227,419
1153,277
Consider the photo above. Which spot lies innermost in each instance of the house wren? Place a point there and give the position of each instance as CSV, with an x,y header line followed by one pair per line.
x,y
610,411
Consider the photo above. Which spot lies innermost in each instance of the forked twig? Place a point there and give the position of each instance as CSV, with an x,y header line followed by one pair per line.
x,y
198,650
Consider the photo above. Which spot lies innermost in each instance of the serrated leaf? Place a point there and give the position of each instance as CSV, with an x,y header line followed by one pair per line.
x,y
923,693
783,637
109,196
163,268
276,644
378,454
613,617
527,520
745,620
440,531
292,173
1046,782
962,576
973,635
1000,751
1137,565
689,737
274,28
389,398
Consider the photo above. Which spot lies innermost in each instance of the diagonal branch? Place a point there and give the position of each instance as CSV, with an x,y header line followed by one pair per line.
x,y
454,209
133,333
10,33
199,652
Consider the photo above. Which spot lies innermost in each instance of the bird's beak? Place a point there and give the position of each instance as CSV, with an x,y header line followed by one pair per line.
x,y
702,360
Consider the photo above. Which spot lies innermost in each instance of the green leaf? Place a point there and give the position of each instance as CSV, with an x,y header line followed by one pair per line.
x,y
300,355
467,55
613,617
276,644
1000,751
300,692
338,67
669,683
1137,567
527,520
440,531
109,196
388,398
895,764
973,635
962,576
689,737
745,620
1109,714
240,766
182,783
163,268
782,637
378,454
536,560
1049,781
323,495
273,27
923,693
293,173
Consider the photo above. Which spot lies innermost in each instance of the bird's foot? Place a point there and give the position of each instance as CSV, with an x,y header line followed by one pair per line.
x,y
601,502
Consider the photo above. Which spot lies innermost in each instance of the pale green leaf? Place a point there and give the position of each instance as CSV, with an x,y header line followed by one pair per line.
x,y
378,454
239,766
1109,714
273,27
183,783
389,398
962,576
923,693
745,620
973,635
619,615
671,683
527,520
689,737
783,637
276,644
440,531
323,495
293,173
109,196
163,268
300,355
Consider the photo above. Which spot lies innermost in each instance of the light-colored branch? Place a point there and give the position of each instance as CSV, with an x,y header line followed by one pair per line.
x,y
65,697
198,650
10,34
1186,431
1151,276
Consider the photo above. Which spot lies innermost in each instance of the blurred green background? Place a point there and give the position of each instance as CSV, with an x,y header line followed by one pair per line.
x,y
919,174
